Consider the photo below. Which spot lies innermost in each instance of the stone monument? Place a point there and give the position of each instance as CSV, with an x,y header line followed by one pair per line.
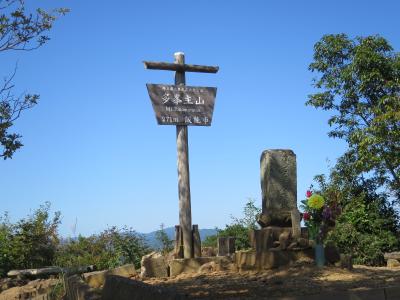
x,y
280,218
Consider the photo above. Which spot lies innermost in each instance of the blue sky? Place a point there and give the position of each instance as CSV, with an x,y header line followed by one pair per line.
x,y
92,145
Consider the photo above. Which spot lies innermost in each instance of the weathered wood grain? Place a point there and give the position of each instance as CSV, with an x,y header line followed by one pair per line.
x,y
185,212
154,65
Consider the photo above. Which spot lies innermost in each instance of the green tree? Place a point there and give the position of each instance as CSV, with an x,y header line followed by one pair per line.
x,y
368,226
239,227
23,31
31,242
109,249
359,81
164,241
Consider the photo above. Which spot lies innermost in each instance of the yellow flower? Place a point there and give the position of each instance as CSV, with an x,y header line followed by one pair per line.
x,y
316,201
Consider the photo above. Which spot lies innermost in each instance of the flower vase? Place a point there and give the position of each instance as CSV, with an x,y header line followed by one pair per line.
x,y
319,255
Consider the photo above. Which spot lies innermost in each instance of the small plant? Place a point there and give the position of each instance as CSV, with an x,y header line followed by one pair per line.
x,y
163,239
239,227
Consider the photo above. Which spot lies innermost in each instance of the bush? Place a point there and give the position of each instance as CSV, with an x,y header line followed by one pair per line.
x,y
166,245
31,242
239,228
111,248
363,232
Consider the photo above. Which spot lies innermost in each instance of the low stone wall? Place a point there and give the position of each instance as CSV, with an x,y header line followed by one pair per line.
x,y
39,289
251,260
194,265
121,288
98,278
77,289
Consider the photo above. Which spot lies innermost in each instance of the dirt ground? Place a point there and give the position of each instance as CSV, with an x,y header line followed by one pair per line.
x,y
300,279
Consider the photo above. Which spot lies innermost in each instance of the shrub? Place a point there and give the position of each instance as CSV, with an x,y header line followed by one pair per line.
x,y
363,232
111,248
31,242
239,228
164,241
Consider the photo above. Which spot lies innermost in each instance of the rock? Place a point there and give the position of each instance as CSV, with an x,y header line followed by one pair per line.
x,y
279,188
43,272
208,267
392,255
35,272
194,265
303,243
345,261
208,251
393,263
154,265
77,289
98,278
36,289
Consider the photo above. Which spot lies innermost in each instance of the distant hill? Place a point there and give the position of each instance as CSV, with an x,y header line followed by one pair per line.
x,y
170,231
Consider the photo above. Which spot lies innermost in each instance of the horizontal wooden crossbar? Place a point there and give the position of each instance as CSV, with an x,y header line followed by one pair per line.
x,y
153,65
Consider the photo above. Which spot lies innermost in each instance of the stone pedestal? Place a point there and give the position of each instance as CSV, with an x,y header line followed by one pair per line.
x,y
195,242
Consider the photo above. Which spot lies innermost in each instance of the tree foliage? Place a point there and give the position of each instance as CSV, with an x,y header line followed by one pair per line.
x,y
163,240
31,242
238,228
20,30
111,248
359,81
34,242
368,225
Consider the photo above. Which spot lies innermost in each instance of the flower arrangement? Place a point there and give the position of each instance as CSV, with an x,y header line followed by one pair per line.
x,y
319,215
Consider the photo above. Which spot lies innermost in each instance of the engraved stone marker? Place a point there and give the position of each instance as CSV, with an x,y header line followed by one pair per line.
x,y
279,188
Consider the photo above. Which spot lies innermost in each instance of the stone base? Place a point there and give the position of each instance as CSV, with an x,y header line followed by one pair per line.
x,y
98,278
122,288
251,260
194,265
153,265
275,218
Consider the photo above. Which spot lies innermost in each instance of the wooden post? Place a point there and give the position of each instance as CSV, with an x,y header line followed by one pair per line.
x,y
185,213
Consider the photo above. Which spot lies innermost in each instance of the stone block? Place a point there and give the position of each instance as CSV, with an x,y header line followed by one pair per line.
x,y
178,248
226,246
196,241
208,251
194,265
346,261
255,261
263,239
392,255
77,289
122,288
393,263
98,278
154,265
279,187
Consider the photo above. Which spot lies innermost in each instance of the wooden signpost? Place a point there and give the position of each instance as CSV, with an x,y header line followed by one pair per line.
x,y
182,105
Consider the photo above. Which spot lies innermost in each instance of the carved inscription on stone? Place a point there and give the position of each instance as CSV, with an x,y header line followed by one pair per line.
x,y
279,186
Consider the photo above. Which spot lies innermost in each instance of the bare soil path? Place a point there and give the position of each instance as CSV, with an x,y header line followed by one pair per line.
x,y
299,280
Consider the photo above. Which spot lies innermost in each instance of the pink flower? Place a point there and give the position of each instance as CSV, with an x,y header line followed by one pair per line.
x,y
306,216
308,194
